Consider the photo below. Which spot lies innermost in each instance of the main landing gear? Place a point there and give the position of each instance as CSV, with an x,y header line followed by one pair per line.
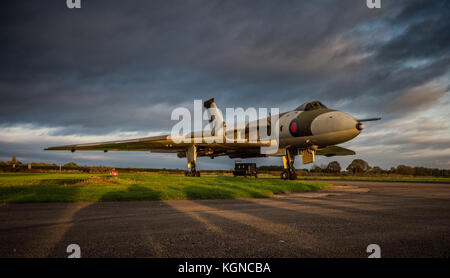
x,y
191,157
288,163
192,172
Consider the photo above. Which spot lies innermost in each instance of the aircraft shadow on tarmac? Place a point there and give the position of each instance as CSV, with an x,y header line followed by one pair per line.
x,y
334,226
209,229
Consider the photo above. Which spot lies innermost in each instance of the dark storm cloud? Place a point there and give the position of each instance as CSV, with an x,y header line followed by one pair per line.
x,y
124,65
426,39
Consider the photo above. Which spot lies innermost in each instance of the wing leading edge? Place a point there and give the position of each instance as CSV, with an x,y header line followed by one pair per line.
x,y
138,144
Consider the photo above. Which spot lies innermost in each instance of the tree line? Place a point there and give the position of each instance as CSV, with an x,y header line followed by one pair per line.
x,y
359,166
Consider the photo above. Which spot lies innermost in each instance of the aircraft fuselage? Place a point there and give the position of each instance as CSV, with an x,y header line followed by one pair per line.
x,y
321,127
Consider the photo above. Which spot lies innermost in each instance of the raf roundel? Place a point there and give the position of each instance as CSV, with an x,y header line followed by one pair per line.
x,y
294,127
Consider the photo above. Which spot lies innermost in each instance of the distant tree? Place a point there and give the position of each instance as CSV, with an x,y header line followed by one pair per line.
x,y
14,161
358,166
377,170
404,170
422,171
333,167
70,164
316,169
435,172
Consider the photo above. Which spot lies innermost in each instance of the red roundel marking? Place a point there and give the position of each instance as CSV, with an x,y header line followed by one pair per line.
x,y
294,127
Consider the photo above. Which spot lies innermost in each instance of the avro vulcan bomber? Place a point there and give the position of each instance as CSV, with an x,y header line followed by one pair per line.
x,y
309,130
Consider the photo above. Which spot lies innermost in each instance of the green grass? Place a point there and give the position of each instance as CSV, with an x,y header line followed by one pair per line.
x,y
40,187
386,179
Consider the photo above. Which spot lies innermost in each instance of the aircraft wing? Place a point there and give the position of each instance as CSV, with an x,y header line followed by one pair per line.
x,y
168,144
165,144
333,151
138,144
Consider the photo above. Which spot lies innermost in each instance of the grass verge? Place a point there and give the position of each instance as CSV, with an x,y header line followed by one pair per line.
x,y
42,187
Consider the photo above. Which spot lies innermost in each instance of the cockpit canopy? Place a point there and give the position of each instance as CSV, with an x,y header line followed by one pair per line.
x,y
309,106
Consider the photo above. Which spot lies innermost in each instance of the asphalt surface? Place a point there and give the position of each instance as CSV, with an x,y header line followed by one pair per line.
x,y
404,219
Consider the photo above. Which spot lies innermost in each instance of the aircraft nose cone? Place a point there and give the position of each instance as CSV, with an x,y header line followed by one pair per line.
x,y
334,122
345,121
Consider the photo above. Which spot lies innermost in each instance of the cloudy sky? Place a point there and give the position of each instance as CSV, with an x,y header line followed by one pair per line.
x,y
115,69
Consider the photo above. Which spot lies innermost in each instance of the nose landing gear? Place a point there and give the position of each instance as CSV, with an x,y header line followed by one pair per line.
x,y
288,163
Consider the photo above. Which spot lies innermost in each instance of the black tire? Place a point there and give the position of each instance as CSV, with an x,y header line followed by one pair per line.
x,y
293,176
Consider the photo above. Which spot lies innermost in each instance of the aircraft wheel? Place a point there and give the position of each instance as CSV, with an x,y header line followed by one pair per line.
x,y
197,174
284,175
293,176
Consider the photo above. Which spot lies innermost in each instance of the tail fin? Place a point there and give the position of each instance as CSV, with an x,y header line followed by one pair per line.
x,y
217,115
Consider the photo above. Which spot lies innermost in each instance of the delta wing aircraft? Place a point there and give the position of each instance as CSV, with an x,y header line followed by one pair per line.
x,y
309,130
